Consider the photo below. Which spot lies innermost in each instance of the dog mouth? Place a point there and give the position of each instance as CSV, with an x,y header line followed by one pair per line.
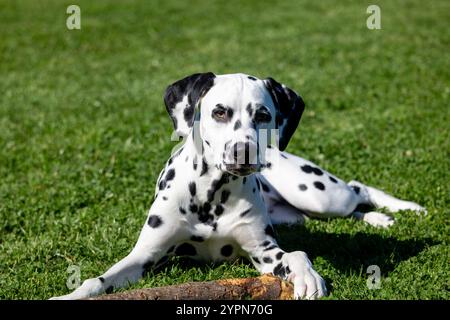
x,y
241,169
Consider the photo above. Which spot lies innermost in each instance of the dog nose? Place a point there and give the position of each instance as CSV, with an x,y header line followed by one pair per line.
x,y
244,153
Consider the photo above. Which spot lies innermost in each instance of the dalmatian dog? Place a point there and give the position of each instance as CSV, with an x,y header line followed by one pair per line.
x,y
230,181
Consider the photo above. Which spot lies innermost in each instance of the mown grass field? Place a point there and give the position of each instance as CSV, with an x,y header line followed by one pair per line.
x,y
84,133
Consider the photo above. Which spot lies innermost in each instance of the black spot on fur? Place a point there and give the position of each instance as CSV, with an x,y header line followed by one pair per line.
x,y
193,208
207,142
164,198
254,190
307,168
356,189
102,280
269,231
194,163
182,211
197,239
283,156
162,184
249,109
243,214
237,125
214,225
170,175
279,255
317,171
226,250
268,165
256,259
203,213
205,218
267,260
206,207
333,179
302,187
279,270
230,113
319,185
192,188
219,210
204,167
188,113
154,221
185,249
109,290
225,195
251,78
216,185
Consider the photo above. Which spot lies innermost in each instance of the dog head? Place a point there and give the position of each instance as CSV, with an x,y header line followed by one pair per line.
x,y
233,116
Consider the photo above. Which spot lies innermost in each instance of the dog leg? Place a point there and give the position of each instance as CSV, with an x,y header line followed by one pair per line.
x,y
126,271
158,235
265,254
285,213
293,266
375,219
379,199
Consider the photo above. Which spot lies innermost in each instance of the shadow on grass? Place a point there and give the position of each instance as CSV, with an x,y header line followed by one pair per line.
x,y
346,252
351,252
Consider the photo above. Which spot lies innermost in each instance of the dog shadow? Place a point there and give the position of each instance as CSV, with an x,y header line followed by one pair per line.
x,y
346,252
351,252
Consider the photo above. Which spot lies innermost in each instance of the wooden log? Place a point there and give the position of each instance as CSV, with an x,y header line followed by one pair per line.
x,y
265,287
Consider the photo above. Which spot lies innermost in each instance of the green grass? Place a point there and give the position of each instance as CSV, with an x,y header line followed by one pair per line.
x,y
84,133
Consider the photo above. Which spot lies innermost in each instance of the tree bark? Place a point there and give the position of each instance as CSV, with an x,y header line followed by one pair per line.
x,y
265,287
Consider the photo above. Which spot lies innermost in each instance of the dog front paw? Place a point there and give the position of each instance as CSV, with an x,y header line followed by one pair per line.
x,y
89,288
417,209
378,219
308,284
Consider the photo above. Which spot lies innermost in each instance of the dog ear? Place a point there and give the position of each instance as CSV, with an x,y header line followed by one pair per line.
x,y
289,108
181,99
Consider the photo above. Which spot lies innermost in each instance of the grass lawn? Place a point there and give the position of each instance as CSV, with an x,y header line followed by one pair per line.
x,y
84,132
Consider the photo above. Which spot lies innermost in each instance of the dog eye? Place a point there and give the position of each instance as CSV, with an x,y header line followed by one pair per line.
x,y
262,116
220,113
